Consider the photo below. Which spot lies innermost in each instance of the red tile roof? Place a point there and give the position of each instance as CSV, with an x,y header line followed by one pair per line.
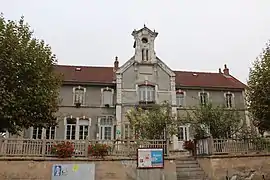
x,y
105,75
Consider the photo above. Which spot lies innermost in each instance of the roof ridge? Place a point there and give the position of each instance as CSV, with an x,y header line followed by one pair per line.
x,y
205,72
84,66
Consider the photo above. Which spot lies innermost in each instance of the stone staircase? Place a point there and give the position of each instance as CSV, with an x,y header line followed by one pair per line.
x,y
187,168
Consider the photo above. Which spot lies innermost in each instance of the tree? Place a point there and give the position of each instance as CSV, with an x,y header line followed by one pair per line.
x,y
28,87
156,122
258,92
218,121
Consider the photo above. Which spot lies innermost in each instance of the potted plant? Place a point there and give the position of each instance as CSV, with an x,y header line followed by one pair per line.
x,y
98,150
189,146
63,149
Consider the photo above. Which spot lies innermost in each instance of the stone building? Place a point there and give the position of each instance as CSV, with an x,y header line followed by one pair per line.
x,y
95,99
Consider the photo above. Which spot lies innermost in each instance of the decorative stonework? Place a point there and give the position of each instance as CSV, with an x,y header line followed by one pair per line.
x,y
173,93
118,88
165,67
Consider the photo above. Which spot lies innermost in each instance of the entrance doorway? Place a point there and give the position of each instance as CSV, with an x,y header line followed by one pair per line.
x,y
183,135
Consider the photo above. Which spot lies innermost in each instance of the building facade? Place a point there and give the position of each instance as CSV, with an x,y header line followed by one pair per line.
x,y
94,100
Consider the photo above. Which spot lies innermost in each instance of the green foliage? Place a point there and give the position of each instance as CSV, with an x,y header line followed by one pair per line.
x,y
258,92
153,122
218,121
28,87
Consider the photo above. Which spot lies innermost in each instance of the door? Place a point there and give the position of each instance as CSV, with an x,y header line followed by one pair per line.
x,y
183,135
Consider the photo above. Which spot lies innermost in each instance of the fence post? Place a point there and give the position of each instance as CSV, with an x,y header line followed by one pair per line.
x,y
128,146
210,145
86,147
43,147
167,146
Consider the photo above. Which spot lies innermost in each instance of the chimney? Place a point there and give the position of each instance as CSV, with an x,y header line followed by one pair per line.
x,y
226,71
219,71
116,64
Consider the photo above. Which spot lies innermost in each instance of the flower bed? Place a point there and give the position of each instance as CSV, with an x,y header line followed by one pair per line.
x,y
63,149
98,150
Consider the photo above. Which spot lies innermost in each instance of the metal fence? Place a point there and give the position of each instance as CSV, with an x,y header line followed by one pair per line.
x,y
41,148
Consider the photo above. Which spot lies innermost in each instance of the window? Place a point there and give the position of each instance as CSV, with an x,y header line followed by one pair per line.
x,y
106,127
229,100
50,132
107,96
37,133
79,95
71,128
128,132
146,93
180,98
84,127
203,98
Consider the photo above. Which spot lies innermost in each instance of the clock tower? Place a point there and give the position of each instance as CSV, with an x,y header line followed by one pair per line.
x,y
144,45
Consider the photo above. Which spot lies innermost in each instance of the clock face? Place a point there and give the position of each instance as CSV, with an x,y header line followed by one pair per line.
x,y
144,40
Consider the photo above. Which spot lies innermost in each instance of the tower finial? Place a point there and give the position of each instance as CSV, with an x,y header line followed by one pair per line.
x,y
144,25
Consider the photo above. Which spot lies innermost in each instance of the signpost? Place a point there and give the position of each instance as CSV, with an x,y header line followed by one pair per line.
x,y
150,158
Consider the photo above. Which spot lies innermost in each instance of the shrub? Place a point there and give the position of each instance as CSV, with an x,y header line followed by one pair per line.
x,y
63,149
98,150
189,145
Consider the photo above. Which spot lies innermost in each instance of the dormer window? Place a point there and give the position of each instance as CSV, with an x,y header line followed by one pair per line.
x,y
229,97
203,97
107,96
180,98
79,95
146,93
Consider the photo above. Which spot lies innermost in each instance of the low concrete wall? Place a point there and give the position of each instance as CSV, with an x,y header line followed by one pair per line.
x,y
110,169
218,167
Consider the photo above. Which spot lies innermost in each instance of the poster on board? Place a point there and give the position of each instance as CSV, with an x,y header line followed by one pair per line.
x,y
150,158
73,171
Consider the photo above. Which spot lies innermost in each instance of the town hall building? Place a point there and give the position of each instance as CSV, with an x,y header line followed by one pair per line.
x,y
94,100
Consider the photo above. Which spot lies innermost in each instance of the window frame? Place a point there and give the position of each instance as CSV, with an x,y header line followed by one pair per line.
x,y
43,132
84,95
232,99
146,88
177,98
205,100
101,127
102,96
77,126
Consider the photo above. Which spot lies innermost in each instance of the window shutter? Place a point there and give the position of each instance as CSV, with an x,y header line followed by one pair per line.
x,y
107,97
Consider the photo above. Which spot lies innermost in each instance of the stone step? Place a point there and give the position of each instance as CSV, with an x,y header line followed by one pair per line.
x,y
190,173
188,169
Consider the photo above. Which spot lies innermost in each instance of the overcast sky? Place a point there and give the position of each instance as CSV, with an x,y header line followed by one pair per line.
x,y
196,35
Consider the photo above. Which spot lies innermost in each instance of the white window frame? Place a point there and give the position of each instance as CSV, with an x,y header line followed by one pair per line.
x,y
74,94
85,122
127,130
37,132
102,95
207,96
101,128
50,132
178,98
43,132
232,100
77,126
145,88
